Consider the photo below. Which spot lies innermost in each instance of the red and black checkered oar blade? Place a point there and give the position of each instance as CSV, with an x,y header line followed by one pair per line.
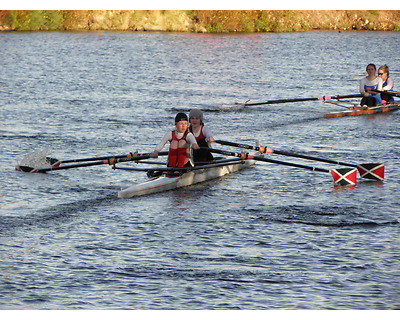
x,y
373,171
344,176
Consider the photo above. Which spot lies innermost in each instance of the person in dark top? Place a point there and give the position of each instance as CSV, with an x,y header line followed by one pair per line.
x,y
203,137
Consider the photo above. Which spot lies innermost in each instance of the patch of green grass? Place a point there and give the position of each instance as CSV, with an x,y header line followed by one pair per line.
x,y
215,27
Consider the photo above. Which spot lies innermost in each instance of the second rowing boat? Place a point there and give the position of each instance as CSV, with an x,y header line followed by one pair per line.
x,y
357,111
192,176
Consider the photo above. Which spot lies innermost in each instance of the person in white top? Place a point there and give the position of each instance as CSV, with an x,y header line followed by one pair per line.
x,y
388,83
181,140
368,85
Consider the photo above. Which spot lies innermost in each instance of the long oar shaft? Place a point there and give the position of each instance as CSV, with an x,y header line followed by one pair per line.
x,y
279,101
284,153
344,176
373,171
109,161
246,156
323,98
96,158
389,92
171,169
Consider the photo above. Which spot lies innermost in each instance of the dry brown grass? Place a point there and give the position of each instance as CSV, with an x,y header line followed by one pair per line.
x,y
200,20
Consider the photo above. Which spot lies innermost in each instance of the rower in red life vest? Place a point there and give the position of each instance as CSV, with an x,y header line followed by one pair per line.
x,y
203,137
180,142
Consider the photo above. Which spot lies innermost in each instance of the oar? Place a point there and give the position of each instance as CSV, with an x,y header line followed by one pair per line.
x,y
215,164
344,176
323,98
55,162
373,171
109,161
390,92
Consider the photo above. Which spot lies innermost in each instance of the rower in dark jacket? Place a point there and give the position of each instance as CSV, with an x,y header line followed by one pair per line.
x,y
203,137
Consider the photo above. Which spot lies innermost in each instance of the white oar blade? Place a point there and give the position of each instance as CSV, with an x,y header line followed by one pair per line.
x,y
34,160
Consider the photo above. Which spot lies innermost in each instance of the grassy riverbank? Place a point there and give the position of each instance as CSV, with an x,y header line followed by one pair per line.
x,y
199,20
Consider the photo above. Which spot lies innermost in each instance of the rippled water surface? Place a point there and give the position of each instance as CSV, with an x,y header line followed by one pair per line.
x,y
269,237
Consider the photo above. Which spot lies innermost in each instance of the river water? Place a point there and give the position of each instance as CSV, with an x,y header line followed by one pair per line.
x,y
269,237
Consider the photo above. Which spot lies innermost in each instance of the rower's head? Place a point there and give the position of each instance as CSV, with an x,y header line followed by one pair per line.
x,y
383,71
196,117
181,122
371,69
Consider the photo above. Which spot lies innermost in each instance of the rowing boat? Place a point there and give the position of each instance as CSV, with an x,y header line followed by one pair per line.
x,y
192,176
357,111
353,110
168,178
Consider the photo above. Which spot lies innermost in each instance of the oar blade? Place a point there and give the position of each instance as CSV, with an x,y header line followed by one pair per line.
x,y
373,171
344,176
53,161
27,169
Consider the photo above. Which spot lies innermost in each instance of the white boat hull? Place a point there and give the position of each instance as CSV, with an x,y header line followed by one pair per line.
x,y
164,183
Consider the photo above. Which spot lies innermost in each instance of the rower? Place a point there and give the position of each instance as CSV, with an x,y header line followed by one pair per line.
x,y
181,140
383,73
368,85
203,137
